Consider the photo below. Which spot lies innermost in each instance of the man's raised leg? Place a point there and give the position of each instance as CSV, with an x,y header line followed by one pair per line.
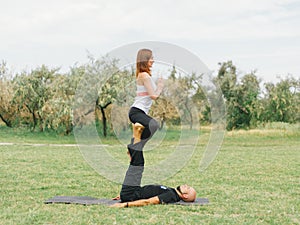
x,y
137,129
133,177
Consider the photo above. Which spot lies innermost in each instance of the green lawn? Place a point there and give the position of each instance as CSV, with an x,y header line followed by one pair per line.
x,y
255,179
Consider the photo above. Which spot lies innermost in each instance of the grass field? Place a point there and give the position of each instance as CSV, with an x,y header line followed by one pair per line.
x,y
255,179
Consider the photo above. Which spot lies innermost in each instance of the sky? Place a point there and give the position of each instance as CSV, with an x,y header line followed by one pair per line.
x,y
256,35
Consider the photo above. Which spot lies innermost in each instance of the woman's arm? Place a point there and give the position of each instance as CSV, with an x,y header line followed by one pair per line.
x,y
145,79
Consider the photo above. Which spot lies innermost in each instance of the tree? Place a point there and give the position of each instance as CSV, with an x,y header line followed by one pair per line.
x,y
103,84
33,91
241,97
179,93
58,110
282,101
248,91
8,110
164,110
227,79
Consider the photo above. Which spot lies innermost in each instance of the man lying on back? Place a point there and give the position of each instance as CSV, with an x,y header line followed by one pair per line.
x,y
132,194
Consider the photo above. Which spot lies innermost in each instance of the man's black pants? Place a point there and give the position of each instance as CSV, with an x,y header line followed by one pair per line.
x,y
132,182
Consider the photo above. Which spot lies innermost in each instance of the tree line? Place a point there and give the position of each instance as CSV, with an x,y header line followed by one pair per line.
x,y
45,99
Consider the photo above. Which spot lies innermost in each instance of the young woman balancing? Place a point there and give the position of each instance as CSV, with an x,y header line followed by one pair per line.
x,y
147,91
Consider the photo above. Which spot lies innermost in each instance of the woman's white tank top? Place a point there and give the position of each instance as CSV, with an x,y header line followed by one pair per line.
x,y
142,100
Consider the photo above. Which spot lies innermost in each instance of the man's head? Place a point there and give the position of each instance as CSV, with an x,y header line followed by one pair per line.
x,y
186,193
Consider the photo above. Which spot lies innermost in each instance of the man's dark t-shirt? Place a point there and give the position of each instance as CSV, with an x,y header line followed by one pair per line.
x,y
165,194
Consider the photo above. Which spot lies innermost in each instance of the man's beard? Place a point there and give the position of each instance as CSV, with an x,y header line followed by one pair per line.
x,y
178,189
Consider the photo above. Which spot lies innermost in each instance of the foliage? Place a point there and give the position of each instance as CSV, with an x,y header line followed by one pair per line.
x,y
102,85
8,111
282,102
101,93
32,91
247,106
59,109
181,96
241,97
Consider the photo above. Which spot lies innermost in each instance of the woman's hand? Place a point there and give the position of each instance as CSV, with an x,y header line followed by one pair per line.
x,y
160,83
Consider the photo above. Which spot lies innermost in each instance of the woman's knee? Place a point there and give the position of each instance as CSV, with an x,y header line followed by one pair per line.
x,y
153,126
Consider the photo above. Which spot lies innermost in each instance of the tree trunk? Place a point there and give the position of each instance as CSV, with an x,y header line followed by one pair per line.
x,y
104,120
41,123
104,123
190,114
34,119
7,122
162,122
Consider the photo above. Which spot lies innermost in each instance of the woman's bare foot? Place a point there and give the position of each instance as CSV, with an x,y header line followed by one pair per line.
x,y
137,132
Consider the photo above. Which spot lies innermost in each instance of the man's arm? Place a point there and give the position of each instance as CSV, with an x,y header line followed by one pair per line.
x,y
141,202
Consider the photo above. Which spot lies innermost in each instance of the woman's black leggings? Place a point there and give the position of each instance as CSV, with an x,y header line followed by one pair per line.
x,y
139,116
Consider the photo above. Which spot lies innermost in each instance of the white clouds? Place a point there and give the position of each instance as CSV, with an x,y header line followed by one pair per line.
x,y
67,28
229,19
162,19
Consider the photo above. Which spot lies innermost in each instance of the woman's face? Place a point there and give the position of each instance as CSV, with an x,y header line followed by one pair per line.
x,y
150,62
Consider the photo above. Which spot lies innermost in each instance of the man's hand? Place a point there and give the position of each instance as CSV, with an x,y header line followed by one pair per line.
x,y
141,202
116,198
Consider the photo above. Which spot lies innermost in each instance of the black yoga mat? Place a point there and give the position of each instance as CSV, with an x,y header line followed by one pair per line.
x,y
86,200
